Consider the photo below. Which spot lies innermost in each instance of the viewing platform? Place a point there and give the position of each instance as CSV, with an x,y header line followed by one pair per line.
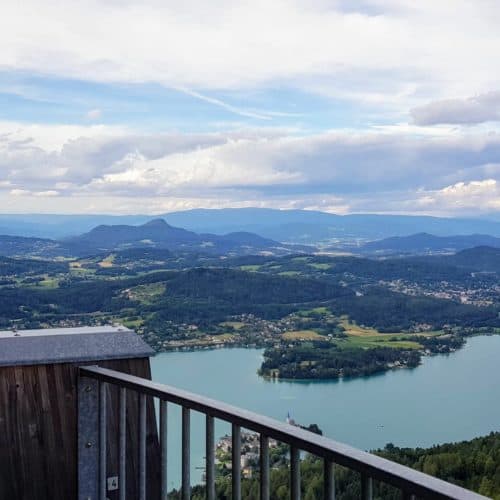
x,y
80,418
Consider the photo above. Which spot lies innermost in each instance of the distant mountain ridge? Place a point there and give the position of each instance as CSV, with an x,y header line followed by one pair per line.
x,y
297,226
154,234
423,243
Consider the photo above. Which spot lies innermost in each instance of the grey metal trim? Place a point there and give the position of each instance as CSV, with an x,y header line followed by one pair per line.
x,y
420,484
82,348
88,438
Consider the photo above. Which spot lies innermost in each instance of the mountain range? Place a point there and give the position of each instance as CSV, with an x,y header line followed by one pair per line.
x,y
424,243
153,234
294,226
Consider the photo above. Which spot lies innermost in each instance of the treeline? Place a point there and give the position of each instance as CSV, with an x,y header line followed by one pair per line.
x,y
390,312
324,360
474,465
20,267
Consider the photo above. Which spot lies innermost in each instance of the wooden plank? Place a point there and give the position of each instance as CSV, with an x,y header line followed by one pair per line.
x,y
38,432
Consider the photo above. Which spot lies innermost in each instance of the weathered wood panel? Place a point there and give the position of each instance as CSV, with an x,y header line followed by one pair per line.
x,y
38,432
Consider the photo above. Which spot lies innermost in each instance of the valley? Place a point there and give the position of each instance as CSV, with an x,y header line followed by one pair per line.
x,y
317,316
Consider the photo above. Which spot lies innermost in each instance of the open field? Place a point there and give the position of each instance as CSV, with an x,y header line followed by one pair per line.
x,y
146,294
237,325
320,266
251,268
107,262
369,342
302,335
355,330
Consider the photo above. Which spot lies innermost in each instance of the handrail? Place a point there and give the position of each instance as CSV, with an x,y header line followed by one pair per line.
x,y
410,481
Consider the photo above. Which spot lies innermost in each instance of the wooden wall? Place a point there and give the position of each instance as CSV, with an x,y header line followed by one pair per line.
x,y
38,432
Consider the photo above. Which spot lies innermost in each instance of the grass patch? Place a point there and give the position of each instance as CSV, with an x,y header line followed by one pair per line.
x,y
320,266
237,325
303,335
107,262
49,282
146,294
251,267
355,330
369,342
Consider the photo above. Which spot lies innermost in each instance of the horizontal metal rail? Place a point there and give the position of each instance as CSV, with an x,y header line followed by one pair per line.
x,y
371,467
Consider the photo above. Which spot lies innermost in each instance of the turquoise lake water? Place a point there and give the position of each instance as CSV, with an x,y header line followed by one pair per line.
x,y
448,398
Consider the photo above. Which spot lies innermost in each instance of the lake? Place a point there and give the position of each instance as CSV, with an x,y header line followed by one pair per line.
x,y
448,398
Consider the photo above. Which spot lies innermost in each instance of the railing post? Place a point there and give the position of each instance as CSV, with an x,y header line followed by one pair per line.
x,y
88,439
264,467
164,448
366,487
329,480
122,477
210,458
295,473
186,451
142,446
103,386
236,461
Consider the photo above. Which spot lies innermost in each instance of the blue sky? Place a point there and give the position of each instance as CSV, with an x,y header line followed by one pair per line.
x,y
155,108
388,106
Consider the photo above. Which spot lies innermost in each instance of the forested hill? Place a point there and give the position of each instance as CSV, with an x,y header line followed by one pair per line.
x,y
485,259
155,234
474,465
423,243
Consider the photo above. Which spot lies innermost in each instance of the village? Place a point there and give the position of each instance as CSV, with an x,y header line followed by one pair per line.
x,y
250,451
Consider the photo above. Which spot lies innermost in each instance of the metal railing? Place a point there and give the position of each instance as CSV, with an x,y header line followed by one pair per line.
x,y
92,429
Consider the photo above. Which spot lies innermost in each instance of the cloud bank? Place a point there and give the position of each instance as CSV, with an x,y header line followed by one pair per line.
x,y
337,171
479,109
330,46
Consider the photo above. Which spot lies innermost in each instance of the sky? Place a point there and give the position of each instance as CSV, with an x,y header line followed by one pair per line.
x,y
345,106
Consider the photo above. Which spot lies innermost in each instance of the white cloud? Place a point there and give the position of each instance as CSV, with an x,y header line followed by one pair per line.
x,y
463,197
389,169
418,47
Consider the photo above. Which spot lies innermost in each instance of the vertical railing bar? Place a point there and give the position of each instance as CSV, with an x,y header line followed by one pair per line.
x,y
122,446
102,439
236,461
294,473
142,447
164,448
329,479
186,449
210,458
88,438
366,487
264,467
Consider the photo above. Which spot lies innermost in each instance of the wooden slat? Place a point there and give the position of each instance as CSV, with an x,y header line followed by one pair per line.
x,y
38,432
